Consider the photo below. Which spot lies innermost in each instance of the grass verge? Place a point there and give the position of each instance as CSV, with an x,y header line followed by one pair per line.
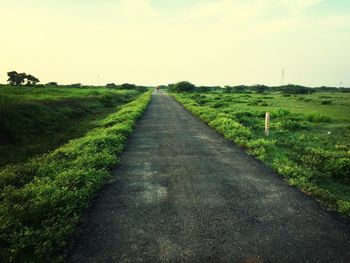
x,y
29,126
41,201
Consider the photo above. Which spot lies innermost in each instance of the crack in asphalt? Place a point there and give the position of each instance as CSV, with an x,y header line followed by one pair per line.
x,y
183,193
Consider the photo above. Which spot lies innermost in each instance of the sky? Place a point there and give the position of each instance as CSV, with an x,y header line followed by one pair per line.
x,y
152,42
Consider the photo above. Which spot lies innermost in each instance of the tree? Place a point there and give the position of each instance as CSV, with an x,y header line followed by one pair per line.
x,y
16,79
204,89
111,85
184,86
75,85
52,84
296,89
127,86
240,88
31,80
260,88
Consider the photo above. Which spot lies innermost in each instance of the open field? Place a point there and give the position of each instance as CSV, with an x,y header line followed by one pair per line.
x,y
309,141
36,120
12,95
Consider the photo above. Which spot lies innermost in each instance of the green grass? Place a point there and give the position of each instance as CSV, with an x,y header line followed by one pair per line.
x,y
42,200
309,141
20,94
36,120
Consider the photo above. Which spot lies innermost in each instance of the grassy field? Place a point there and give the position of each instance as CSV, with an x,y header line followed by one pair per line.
x,y
12,95
36,120
309,141
42,200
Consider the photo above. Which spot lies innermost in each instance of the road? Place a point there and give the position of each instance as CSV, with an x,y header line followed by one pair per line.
x,y
183,193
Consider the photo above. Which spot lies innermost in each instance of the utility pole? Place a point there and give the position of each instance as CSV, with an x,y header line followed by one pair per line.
x,y
267,123
340,85
283,77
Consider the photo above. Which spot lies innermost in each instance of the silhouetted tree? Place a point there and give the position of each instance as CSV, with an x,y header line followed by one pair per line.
x,y
260,88
184,86
127,86
15,78
296,89
111,85
75,85
31,80
52,84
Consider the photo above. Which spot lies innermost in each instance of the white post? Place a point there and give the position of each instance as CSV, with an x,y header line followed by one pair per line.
x,y
267,123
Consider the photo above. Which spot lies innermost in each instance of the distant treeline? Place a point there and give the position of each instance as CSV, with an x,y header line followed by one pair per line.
x,y
19,79
16,79
125,86
185,86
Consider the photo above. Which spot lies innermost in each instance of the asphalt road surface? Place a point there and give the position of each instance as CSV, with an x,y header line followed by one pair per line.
x,y
182,193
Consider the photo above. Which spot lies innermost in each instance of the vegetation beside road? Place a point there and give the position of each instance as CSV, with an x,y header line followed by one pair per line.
x,y
42,200
309,141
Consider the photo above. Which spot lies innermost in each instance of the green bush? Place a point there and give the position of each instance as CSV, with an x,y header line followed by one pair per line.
x,y
255,102
335,164
326,102
280,113
231,129
260,147
220,104
344,206
184,86
42,201
290,125
317,117
296,89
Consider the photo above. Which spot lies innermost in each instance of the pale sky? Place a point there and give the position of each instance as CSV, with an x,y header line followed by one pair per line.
x,y
151,42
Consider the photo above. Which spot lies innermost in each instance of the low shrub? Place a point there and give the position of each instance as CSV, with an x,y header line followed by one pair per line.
x,y
259,147
290,125
280,113
326,102
266,97
220,104
317,117
263,104
343,206
304,99
335,164
255,102
231,129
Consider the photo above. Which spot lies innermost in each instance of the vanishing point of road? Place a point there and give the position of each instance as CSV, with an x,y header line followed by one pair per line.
x,y
183,193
